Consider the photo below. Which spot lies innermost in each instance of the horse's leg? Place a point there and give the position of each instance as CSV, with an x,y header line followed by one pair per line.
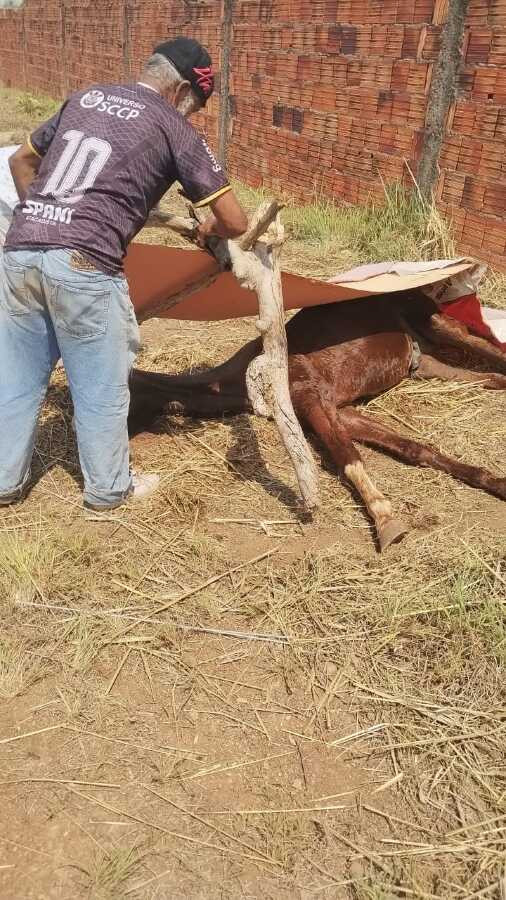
x,y
152,394
214,392
444,331
366,430
326,422
429,367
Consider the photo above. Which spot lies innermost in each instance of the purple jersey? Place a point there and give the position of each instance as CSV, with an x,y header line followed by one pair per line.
x,y
108,157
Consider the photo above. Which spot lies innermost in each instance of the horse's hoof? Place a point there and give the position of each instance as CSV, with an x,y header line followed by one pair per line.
x,y
391,533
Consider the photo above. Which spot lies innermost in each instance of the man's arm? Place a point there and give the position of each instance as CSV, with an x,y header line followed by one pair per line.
x,y
227,219
205,183
24,165
26,162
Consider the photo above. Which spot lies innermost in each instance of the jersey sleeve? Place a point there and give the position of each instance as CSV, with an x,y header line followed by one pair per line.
x,y
198,171
40,139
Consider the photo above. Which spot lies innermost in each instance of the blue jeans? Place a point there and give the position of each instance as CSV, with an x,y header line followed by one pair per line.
x,y
51,309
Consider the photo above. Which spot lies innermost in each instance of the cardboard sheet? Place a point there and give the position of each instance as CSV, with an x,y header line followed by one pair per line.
x,y
156,274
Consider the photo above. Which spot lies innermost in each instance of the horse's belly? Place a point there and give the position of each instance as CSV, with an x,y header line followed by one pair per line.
x,y
363,367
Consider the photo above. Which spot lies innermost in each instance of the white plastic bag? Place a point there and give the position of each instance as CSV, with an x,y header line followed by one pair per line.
x,y
8,195
461,285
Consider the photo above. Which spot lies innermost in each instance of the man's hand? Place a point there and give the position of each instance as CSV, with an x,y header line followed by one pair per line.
x,y
24,165
206,229
227,220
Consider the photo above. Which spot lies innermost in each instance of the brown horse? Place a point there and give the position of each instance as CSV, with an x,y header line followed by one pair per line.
x,y
338,354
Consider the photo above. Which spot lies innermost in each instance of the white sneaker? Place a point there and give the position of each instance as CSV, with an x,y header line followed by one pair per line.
x,y
143,486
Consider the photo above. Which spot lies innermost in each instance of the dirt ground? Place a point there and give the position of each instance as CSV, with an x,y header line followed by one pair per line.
x,y
210,697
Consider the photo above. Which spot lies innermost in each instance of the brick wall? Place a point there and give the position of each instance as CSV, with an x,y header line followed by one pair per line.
x,y
326,95
472,184
329,96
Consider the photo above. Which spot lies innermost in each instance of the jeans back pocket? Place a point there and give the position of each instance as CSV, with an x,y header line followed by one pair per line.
x,y
16,300
81,313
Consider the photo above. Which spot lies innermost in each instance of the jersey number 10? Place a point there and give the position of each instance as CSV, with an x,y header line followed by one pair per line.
x,y
78,167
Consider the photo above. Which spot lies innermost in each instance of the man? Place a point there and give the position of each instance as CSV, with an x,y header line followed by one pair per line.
x,y
87,180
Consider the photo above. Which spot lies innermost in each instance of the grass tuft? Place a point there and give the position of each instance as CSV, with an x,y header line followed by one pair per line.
x,y
50,564
18,669
493,290
111,872
37,106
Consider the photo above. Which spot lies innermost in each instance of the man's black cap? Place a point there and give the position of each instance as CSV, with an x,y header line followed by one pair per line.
x,y
193,62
